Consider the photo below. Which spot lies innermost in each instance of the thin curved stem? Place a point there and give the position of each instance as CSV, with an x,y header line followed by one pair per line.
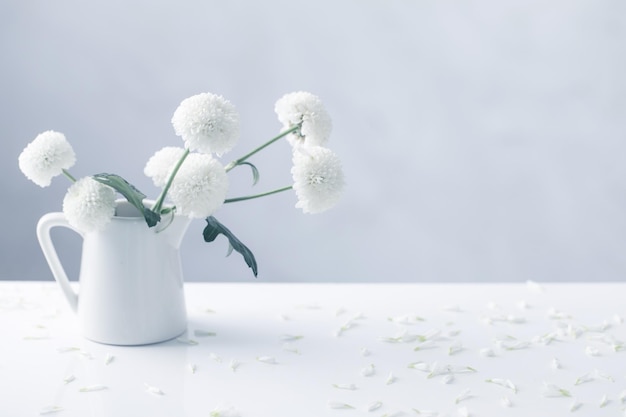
x,y
159,203
250,197
239,161
68,175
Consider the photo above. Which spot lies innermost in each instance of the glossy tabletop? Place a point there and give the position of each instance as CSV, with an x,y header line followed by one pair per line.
x,y
313,350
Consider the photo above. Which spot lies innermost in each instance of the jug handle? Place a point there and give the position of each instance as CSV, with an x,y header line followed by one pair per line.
x,y
44,226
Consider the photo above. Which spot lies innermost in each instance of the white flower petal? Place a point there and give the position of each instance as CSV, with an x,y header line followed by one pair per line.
x,y
160,165
290,337
426,413
153,390
200,186
306,108
575,405
552,390
349,387
465,395
455,348
50,409
208,123
234,365
374,406
89,205
339,406
318,179
224,411
604,401
92,388
203,333
267,359
368,370
463,412
46,157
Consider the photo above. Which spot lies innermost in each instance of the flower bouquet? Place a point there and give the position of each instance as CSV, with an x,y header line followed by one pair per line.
x,y
193,181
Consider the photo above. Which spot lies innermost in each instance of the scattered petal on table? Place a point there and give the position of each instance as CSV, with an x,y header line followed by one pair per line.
x,y
575,405
604,401
369,370
374,406
551,390
267,359
186,341
92,388
153,390
350,387
224,412
465,395
506,402
50,409
339,406
203,333
290,337
234,364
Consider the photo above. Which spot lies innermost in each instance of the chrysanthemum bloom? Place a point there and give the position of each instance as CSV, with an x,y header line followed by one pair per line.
x,y
317,178
199,187
308,109
89,205
208,123
46,157
160,165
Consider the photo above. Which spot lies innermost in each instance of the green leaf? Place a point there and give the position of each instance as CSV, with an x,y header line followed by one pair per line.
x,y
132,195
255,172
214,228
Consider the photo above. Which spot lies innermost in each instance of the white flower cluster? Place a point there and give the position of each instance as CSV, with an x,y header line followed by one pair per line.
x,y
89,205
199,187
208,123
191,178
46,157
317,174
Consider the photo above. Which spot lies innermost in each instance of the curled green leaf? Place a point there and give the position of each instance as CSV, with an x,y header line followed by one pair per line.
x,y
214,228
131,193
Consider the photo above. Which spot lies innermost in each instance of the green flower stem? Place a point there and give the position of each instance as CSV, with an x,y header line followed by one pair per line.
x,y
68,175
239,161
250,197
159,203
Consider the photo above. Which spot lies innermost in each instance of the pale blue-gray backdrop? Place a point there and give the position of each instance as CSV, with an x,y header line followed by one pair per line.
x,y
481,140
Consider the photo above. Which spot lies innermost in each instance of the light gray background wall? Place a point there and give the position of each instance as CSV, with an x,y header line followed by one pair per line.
x,y
482,140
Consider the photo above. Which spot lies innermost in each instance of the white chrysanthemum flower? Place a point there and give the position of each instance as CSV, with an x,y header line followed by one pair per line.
x,y
46,157
318,178
208,123
160,165
308,109
199,187
89,205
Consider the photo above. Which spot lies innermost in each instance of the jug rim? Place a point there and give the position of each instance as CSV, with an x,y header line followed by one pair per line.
x,y
126,211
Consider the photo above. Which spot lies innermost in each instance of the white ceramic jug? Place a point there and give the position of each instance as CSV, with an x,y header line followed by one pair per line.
x,y
130,285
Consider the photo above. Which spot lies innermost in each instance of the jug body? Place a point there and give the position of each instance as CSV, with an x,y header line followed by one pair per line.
x,y
130,288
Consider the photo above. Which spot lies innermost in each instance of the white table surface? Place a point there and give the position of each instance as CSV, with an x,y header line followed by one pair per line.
x,y
518,336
